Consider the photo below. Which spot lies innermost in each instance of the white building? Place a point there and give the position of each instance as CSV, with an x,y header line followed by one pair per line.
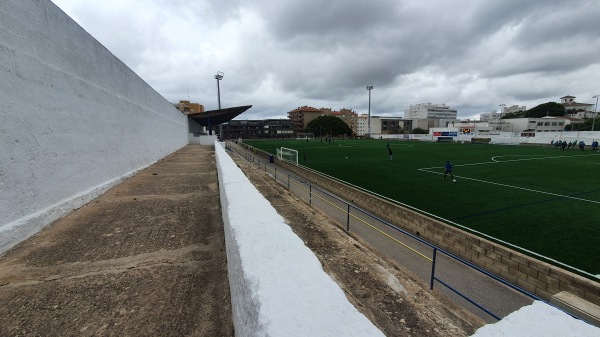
x,y
500,125
492,116
429,123
362,125
513,109
504,110
570,104
395,125
575,109
428,110
472,127
543,124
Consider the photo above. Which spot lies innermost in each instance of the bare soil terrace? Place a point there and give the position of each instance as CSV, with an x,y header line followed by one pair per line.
x,y
148,259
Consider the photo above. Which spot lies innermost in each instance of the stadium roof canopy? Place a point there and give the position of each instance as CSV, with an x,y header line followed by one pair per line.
x,y
216,117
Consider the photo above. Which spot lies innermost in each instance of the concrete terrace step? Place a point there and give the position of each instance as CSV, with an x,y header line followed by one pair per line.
x,y
578,307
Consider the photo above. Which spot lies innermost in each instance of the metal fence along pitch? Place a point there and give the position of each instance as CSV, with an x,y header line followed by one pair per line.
x,y
459,276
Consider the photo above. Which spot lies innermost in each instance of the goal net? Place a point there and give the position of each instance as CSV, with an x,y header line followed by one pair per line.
x,y
305,136
288,155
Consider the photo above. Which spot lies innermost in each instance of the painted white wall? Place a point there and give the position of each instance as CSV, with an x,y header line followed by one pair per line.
x,y
505,137
278,287
74,120
202,139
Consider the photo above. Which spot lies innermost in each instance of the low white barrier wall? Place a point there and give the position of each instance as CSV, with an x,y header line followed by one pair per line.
x,y
278,287
507,138
74,120
202,139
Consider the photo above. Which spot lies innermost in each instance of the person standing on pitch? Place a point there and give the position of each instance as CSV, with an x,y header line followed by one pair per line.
x,y
448,169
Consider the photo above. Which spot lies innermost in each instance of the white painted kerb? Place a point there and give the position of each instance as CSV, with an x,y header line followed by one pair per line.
x,y
278,287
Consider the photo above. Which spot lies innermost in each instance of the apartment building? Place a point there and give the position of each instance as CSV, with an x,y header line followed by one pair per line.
x,y
301,116
430,111
383,125
258,129
188,107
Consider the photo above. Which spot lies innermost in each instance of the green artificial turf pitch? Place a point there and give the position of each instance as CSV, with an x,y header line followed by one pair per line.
x,y
535,197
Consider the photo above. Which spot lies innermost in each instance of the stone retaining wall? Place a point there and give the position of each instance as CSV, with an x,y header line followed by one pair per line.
x,y
535,276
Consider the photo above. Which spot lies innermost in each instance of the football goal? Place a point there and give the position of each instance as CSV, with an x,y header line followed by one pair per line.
x,y
305,135
288,155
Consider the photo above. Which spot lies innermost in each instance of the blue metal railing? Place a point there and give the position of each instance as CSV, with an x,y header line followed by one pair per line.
x,y
311,189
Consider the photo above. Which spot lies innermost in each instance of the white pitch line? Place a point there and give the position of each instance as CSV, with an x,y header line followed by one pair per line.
x,y
553,157
427,169
375,146
517,187
494,161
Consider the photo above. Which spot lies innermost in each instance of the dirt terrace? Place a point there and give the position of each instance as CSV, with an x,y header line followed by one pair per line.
x,y
148,259
145,259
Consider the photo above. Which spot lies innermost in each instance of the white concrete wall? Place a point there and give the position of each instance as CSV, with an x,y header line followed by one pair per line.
x,y
515,138
74,120
202,140
278,287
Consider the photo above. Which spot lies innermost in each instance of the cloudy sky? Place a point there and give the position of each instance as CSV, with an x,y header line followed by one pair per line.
x,y
278,55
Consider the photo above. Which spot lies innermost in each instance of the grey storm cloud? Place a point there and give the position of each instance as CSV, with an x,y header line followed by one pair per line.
x,y
278,55
328,21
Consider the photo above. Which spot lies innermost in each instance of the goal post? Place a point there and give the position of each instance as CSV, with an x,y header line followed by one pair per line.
x,y
307,135
288,155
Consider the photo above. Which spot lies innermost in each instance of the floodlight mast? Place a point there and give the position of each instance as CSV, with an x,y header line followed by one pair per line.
x,y
369,88
595,111
218,77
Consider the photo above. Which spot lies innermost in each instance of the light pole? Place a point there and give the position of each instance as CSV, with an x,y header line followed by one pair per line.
x,y
218,77
595,107
369,87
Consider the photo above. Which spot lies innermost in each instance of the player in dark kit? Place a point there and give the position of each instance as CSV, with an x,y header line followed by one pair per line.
x,y
448,167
